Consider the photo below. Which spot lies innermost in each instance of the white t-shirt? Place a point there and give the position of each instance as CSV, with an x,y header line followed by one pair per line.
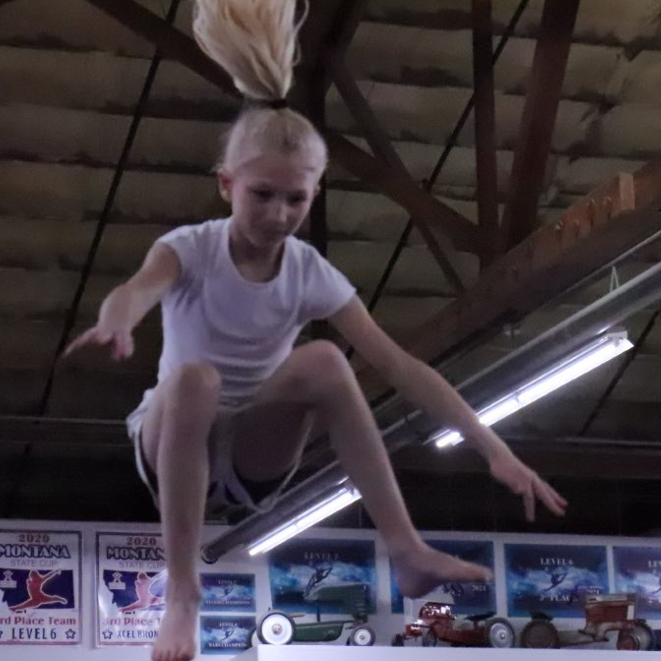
x,y
244,329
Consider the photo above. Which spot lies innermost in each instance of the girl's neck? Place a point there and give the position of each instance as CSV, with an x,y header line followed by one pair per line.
x,y
253,262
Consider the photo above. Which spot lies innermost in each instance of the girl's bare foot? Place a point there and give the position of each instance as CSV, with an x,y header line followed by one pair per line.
x,y
177,635
421,569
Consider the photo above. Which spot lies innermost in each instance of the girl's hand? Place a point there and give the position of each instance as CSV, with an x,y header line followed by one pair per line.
x,y
120,341
513,473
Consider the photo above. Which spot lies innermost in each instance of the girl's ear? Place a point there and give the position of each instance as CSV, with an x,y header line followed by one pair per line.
x,y
225,186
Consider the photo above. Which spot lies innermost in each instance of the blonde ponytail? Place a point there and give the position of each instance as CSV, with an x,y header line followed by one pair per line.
x,y
255,41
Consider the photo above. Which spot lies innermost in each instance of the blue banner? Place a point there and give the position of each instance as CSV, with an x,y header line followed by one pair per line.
x,y
469,598
226,634
300,568
228,593
638,569
553,578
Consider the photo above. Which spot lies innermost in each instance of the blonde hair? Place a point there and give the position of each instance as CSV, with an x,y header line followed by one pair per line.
x,y
255,41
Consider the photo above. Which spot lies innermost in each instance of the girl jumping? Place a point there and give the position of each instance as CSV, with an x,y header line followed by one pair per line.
x,y
235,402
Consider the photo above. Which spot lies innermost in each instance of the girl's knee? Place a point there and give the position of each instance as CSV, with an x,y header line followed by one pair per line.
x,y
195,381
323,365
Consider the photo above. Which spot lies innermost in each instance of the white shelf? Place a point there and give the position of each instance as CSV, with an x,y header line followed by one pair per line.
x,y
333,652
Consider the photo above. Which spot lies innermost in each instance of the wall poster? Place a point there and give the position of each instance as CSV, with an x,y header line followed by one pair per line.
x,y
131,579
301,568
40,587
553,578
466,598
638,569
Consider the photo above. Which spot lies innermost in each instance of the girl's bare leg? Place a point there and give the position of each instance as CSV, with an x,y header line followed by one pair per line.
x,y
175,441
318,378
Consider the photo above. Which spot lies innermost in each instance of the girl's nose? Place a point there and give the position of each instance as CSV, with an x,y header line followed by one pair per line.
x,y
279,211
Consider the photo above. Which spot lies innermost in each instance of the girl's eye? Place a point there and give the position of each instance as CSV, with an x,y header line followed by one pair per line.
x,y
295,200
263,195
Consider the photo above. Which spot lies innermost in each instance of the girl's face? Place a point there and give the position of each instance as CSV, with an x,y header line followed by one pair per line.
x,y
270,196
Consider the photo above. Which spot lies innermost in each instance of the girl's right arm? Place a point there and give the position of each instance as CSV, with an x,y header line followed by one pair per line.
x,y
127,304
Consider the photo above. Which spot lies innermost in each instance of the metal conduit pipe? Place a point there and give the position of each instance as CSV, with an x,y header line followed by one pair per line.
x,y
593,320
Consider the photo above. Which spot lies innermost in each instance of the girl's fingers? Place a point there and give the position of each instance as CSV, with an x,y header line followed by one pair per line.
x,y
89,337
549,496
80,341
122,346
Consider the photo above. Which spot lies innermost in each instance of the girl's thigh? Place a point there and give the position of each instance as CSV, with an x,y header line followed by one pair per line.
x,y
271,433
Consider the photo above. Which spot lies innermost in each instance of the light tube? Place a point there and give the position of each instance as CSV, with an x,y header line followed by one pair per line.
x,y
582,361
343,498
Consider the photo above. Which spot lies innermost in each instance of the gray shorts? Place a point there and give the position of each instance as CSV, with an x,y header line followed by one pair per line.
x,y
226,488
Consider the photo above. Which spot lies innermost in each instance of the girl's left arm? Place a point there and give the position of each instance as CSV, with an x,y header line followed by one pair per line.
x,y
428,390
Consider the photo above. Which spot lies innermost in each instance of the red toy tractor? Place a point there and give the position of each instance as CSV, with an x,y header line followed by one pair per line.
x,y
436,623
603,613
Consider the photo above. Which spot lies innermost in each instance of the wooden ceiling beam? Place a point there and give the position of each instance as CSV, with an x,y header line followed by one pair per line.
x,y
170,42
382,147
538,121
384,179
595,233
485,127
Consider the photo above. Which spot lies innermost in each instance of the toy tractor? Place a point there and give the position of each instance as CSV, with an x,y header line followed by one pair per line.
x,y
278,628
603,614
436,623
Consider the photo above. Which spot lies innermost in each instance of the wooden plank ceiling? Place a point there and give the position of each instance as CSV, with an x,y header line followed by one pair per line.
x,y
70,78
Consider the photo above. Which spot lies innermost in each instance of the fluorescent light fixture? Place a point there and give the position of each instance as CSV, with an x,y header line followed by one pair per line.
x,y
580,362
345,496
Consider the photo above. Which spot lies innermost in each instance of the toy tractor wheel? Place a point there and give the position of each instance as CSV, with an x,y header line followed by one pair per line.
x,y
499,633
398,640
627,641
645,635
540,634
362,637
276,628
429,639
253,640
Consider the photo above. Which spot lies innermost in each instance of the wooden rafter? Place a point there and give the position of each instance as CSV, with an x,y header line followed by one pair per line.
x,y
538,122
593,234
383,178
408,195
382,147
171,42
330,29
485,126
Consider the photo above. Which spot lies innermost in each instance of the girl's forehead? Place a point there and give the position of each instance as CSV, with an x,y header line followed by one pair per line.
x,y
281,169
